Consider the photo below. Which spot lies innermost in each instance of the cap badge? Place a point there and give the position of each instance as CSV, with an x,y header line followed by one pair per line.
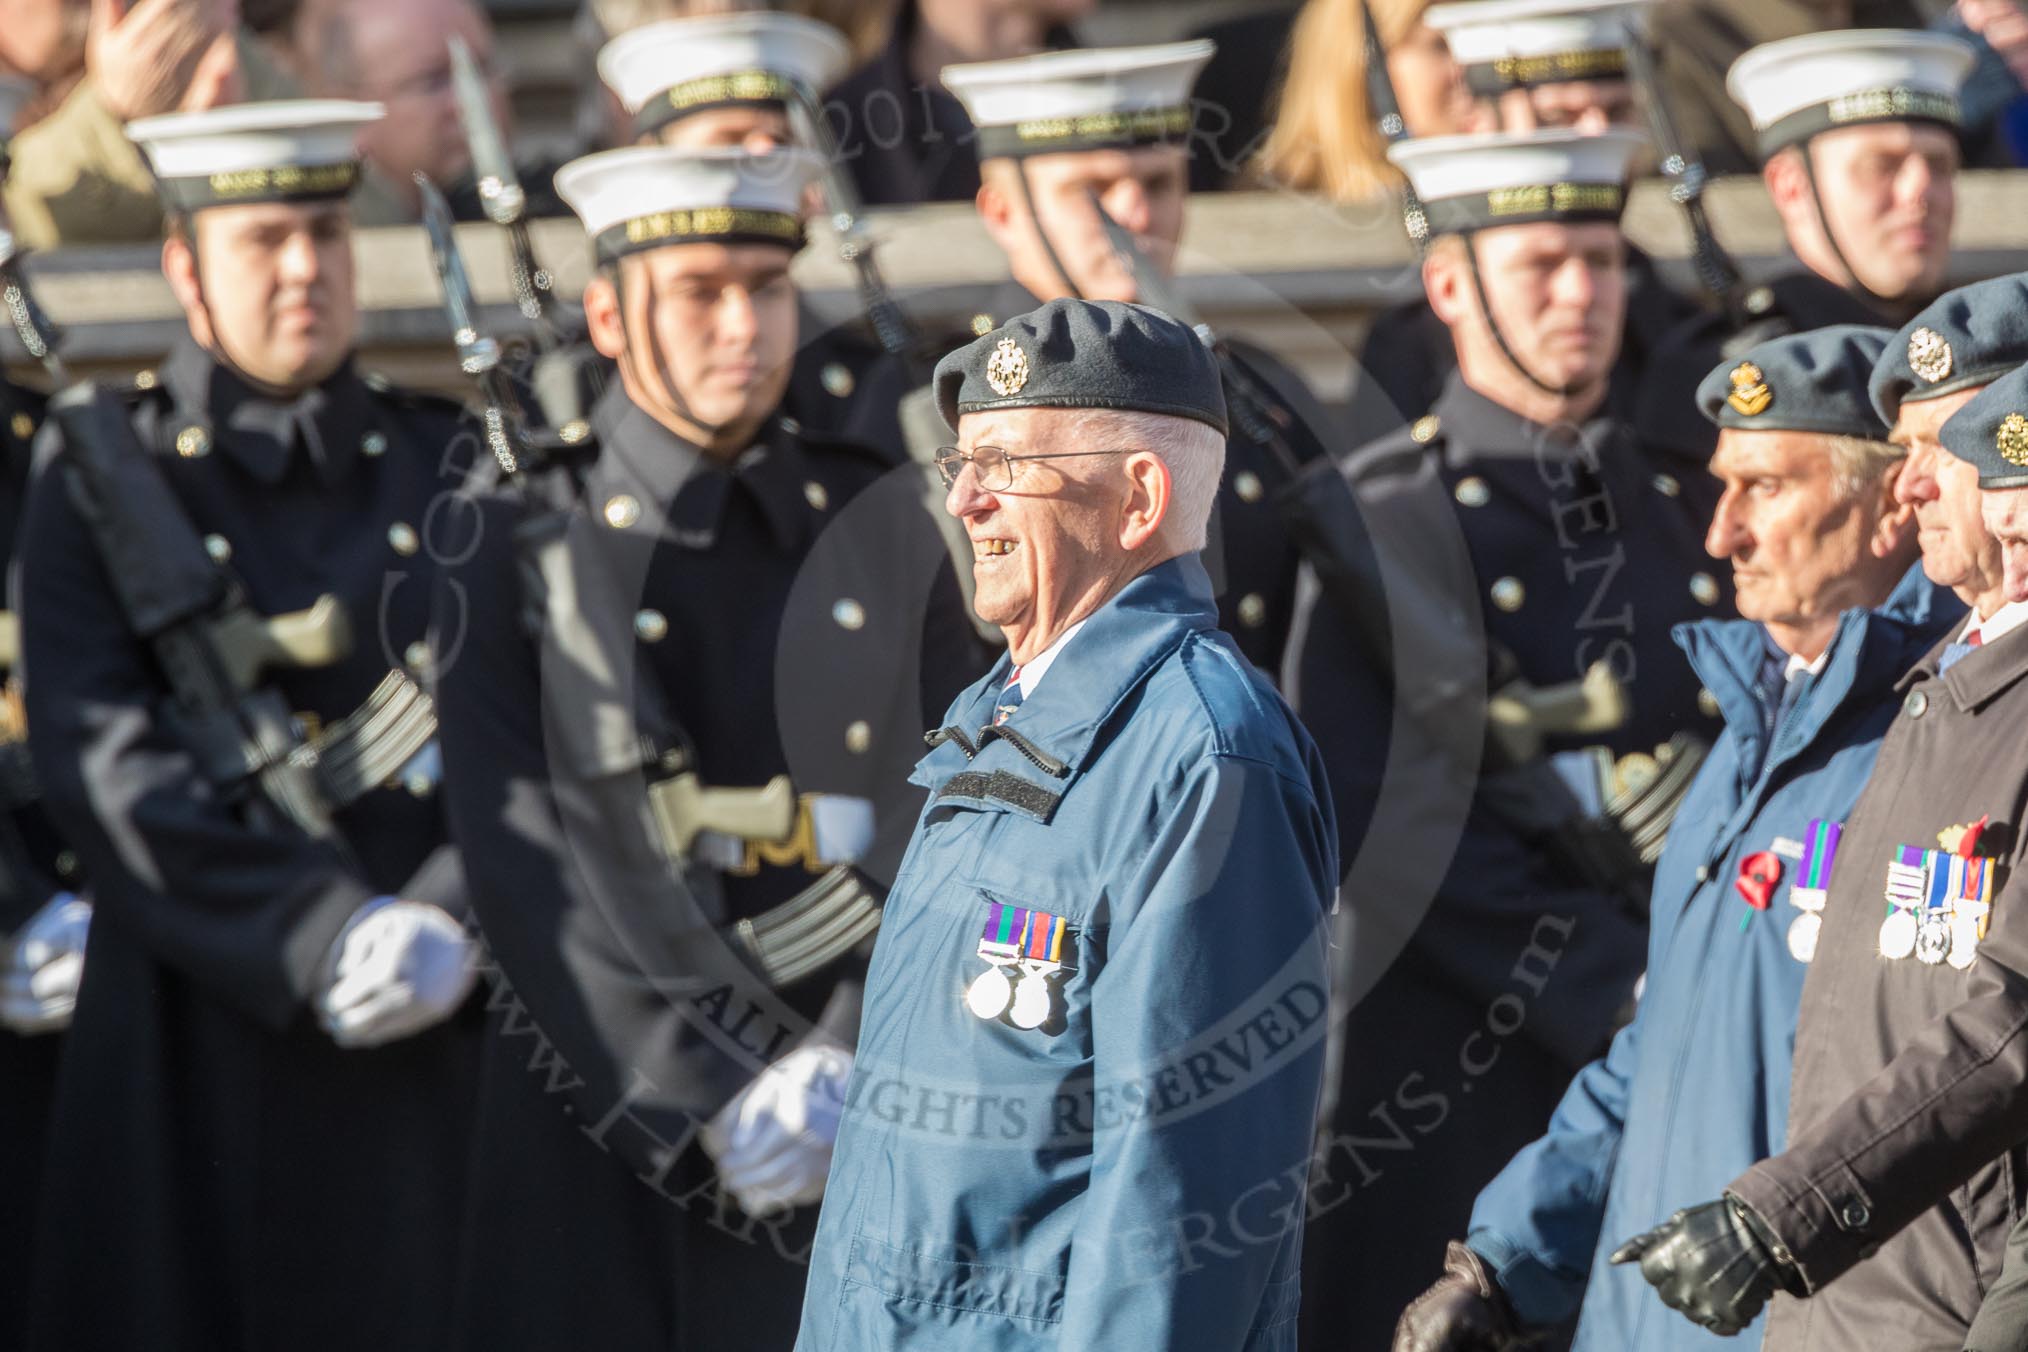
x,y
2012,439
1750,394
1007,368
1929,354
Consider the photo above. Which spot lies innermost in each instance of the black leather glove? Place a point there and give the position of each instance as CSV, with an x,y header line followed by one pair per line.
x,y
1717,1264
1466,1311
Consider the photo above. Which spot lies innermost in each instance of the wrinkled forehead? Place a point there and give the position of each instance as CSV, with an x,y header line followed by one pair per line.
x,y
1011,429
1745,453
1917,421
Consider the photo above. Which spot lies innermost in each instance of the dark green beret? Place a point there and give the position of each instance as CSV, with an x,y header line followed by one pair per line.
x,y
1803,382
1991,432
1085,354
1970,336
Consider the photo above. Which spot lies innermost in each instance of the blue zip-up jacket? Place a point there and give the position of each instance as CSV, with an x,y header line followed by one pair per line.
x,y
1130,1175
1696,1088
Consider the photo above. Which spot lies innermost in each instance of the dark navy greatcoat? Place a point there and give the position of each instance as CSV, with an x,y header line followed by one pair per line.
x,y
777,606
221,1174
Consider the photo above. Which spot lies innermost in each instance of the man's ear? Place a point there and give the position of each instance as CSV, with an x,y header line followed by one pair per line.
x,y
1443,281
997,214
1895,531
1148,500
179,267
604,324
1788,186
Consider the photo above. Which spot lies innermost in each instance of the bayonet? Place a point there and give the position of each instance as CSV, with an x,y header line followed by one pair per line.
x,y
1387,116
478,355
1715,268
501,195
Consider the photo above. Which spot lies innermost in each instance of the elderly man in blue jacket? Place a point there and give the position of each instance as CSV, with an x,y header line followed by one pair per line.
x,y
1695,1089
1091,1052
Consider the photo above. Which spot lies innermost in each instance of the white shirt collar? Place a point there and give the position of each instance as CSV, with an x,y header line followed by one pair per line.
x,y
1997,625
1797,666
1036,667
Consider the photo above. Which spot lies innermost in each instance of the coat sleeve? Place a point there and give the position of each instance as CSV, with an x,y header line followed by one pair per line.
x,y
1189,1233
1537,1223
248,914
1948,1104
1429,864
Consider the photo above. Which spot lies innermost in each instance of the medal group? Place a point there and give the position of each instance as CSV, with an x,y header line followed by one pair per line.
x,y
1938,901
1026,955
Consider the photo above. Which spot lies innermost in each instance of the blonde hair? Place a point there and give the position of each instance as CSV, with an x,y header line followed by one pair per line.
x,y
1325,139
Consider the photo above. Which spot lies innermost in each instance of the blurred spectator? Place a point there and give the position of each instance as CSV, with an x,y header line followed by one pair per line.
x,y
1233,103
904,137
76,178
1325,138
396,52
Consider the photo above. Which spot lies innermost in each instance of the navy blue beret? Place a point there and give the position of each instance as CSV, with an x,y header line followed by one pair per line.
x,y
1085,354
1802,382
1991,432
1970,336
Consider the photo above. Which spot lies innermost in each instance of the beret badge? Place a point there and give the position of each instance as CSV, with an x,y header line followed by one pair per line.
x,y
1929,354
1007,368
1750,394
2012,439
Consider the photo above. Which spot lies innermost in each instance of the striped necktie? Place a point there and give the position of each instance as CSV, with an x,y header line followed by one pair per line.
x,y
1010,699
1955,653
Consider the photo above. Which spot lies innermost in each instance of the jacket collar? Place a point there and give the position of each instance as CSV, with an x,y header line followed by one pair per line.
x,y
1498,432
1120,644
682,493
264,432
1868,651
1981,677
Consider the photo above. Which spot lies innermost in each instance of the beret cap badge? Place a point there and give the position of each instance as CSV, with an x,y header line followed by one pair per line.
x,y
1750,394
2012,439
1007,368
1929,354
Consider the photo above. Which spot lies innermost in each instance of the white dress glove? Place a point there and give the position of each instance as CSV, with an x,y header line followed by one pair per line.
x,y
397,968
772,1142
45,963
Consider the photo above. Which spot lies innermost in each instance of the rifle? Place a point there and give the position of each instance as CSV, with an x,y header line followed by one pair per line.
x,y
1715,268
502,197
211,645
1387,114
898,337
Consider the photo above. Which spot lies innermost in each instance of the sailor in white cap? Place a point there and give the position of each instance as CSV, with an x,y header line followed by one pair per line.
x,y
721,79
1068,139
1521,494
272,1061
698,977
1858,137
1546,63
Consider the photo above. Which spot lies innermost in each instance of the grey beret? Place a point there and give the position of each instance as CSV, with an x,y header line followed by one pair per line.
x,y
1085,354
1990,432
1970,336
1802,382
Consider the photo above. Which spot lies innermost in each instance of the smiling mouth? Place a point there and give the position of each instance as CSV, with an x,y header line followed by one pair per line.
x,y
992,549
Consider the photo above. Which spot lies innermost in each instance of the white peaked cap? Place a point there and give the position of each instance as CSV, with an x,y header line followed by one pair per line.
x,y
1481,181
665,70
288,150
1512,44
1797,87
1089,99
645,197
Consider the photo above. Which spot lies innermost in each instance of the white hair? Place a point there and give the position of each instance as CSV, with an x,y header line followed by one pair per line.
x,y
1859,463
1193,451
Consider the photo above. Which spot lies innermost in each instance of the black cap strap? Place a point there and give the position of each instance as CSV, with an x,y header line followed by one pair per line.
x,y
1487,78
766,88
1093,131
700,225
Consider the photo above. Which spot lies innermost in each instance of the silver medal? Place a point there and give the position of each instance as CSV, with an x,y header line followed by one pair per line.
x,y
1933,941
1964,942
1803,932
1897,934
990,993
1034,1002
